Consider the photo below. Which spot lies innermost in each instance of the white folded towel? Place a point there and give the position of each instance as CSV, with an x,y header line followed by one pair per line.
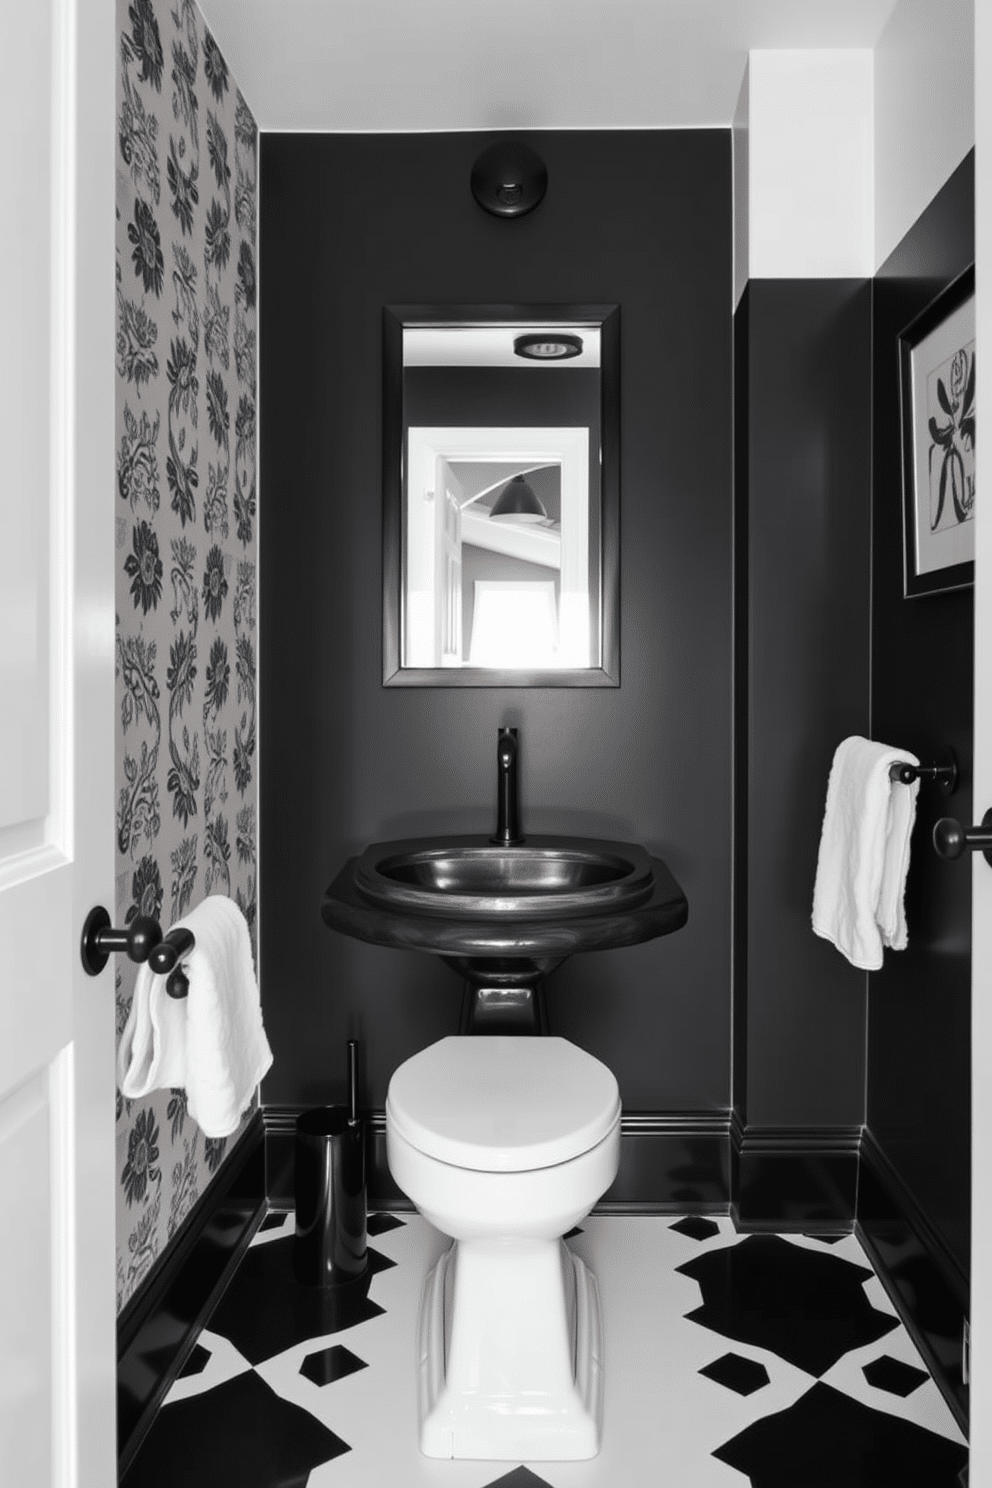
x,y
858,900
212,1042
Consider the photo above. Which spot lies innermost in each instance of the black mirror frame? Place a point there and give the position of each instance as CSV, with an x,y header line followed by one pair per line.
x,y
395,318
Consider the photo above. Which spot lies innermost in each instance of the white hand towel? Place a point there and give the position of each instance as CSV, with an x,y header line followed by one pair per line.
x,y
211,1042
859,897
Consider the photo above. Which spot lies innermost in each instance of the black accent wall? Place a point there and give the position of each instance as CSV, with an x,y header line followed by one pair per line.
x,y
803,436
919,1048
350,224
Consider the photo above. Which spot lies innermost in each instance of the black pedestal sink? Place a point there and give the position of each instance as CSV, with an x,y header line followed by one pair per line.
x,y
505,911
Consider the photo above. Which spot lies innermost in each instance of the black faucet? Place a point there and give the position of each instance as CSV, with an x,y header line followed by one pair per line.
x,y
508,822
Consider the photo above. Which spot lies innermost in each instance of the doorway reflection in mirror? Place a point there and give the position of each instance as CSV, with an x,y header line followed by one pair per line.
x,y
497,560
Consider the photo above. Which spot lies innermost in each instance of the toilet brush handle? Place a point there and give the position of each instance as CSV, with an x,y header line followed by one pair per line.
x,y
352,1082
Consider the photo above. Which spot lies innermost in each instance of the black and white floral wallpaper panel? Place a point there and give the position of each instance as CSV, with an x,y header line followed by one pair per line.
x,y
187,171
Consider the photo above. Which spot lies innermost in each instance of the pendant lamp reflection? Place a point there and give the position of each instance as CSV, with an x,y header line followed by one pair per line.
x,y
519,502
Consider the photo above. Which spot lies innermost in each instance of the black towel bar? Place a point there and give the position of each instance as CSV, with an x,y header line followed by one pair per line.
x,y
944,772
141,941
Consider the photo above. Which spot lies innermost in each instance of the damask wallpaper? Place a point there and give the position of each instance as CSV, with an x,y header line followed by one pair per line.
x,y
187,170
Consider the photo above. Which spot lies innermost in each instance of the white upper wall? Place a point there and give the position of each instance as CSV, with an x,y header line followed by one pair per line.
x,y
924,110
343,65
838,152
811,164
740,151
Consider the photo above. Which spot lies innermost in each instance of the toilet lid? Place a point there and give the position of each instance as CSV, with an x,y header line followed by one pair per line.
x,y
503,1105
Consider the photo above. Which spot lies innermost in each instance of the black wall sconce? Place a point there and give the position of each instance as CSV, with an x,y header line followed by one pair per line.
x,y
509,179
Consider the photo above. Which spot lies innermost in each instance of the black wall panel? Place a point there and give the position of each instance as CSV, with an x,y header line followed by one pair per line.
x,y
919,1051
808,506
561,397
742,459
350,224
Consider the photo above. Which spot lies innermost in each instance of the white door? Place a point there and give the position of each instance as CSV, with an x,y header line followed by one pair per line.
x,y
981,965
57,1293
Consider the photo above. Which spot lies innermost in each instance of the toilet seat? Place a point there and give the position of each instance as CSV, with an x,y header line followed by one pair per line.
x,y
503,1104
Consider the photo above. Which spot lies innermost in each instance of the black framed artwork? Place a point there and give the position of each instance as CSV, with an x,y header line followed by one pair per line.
x,y
937,397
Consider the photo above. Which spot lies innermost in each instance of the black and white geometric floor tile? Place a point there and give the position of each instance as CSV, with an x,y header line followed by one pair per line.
x,y
729,1360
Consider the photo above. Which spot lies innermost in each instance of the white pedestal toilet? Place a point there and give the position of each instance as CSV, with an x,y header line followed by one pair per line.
x,y
505,1144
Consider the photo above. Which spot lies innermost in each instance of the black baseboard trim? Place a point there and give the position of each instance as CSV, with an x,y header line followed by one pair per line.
x,y
922,1278
382,1190
158,1327
280,1160
795,1178
671,1162
280,1135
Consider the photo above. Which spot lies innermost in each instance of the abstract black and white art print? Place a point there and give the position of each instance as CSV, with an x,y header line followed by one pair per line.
x,y
937,383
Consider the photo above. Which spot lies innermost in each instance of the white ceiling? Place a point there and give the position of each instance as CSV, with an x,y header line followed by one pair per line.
x,y
514,64
488,346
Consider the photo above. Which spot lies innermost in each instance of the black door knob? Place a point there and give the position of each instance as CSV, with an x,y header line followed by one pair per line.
x,y
100,939
952,840
142,940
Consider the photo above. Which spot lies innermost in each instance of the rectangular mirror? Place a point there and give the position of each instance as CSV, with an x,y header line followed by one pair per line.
x,y
501,496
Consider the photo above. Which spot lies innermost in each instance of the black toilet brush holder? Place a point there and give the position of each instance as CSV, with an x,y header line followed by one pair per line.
x,y
331,1244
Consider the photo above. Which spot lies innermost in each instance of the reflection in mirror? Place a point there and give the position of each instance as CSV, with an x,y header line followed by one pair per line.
x,y
500,513
501,534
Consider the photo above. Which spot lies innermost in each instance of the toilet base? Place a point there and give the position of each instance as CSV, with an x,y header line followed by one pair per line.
x,y
510,1354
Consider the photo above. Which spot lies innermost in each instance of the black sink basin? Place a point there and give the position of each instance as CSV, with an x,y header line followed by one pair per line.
x,y
504,911
471,878
504,916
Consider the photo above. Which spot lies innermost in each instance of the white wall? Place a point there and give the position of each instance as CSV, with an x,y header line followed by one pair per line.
x,y
811,164
924,110
740,142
